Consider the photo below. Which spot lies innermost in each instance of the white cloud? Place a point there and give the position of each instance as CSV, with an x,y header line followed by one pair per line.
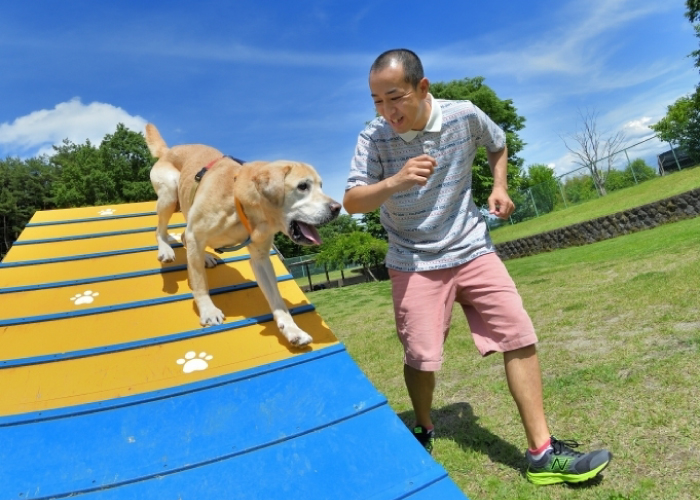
x,y
35,133
639,128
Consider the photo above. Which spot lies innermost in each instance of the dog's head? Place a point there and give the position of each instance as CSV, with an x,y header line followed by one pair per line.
x,y
295,189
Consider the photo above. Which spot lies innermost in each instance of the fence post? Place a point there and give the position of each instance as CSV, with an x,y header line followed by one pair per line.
x,y
328,278
308,274
563,196
675,157
629,164
529,190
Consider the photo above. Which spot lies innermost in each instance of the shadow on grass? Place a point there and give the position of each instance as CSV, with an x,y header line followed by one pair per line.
x,y
458,422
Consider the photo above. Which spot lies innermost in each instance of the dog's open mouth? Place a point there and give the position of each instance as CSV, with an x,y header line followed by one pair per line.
x,y
302,233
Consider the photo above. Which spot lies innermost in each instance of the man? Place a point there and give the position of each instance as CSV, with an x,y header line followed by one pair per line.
x,y
415,161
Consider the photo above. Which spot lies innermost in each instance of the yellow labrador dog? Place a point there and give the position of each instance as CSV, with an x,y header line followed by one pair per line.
x,y
227,203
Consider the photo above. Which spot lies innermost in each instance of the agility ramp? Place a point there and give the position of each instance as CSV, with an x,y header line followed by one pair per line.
x,y
112,390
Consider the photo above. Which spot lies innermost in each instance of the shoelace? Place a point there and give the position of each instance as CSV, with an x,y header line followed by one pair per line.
x,y
565,447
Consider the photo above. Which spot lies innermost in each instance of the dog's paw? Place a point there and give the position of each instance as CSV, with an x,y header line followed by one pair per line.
x,y
210,260
165,253
299,338
211,316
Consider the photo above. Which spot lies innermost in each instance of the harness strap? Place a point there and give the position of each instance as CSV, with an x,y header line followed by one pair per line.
x,y
239,207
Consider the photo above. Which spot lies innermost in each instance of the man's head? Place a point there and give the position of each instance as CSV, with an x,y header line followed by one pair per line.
x,y
399,90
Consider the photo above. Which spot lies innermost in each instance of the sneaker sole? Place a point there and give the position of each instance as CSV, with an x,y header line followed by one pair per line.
x,y
545,478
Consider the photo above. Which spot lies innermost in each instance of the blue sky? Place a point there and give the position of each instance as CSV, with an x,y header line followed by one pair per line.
x,y
277,79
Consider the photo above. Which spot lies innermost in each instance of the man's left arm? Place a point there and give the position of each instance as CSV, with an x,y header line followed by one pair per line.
x,y
499,202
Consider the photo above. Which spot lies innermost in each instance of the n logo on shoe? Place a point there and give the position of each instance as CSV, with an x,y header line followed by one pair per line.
x,y
560,464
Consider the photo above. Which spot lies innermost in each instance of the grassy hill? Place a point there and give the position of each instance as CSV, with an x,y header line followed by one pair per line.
x,y
624,199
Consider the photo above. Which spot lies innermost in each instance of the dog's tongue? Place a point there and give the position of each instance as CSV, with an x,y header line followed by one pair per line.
x,y
310,232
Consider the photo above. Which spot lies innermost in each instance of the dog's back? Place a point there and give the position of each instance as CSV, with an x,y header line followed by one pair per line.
x,y
189,157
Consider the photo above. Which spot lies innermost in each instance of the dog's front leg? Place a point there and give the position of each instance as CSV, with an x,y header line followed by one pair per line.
x,y
209,314
267,281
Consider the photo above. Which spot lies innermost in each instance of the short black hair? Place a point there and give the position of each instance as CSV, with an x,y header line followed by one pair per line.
x,y
412,67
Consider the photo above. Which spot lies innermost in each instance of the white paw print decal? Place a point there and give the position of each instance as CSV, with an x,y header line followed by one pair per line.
x,y
175,236
87,297
192,363
107,211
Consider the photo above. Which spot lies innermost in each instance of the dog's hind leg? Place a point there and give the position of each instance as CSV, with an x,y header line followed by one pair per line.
x,y
164,178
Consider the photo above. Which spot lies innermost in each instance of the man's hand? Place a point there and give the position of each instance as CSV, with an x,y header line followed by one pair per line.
x,y
415,171
500,203
363,199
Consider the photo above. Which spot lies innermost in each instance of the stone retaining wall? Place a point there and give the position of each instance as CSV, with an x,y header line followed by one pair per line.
x,y
682,206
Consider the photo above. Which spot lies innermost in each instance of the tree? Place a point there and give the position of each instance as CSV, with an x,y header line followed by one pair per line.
x,y
25,187
372,224
354,248
681,125
126,155
636,172
543,187
593,148
504,114
116,172
693,14
672,127
580,188
640,171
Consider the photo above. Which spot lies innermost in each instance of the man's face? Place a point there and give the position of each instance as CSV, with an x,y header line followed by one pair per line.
x,y
400,104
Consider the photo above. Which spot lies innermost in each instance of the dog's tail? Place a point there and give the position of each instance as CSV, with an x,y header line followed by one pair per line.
x,y
155,142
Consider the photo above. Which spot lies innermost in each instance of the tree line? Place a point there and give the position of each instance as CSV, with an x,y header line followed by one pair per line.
x,y
76,175
681,125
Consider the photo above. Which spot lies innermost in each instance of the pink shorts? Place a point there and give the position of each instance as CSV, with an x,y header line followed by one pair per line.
x,y
423,307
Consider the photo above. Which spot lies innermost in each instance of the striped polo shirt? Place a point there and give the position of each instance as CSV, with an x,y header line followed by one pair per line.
x,y
438,225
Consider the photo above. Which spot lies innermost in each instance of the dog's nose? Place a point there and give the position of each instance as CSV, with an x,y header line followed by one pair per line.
x,y
334,208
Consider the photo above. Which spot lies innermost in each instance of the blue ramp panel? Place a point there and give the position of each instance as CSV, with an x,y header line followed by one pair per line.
x,y
149,405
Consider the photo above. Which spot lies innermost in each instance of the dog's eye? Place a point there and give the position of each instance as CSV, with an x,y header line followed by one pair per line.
x,y
303,186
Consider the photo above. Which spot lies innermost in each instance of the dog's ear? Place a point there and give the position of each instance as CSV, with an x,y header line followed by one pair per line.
x,y
269,182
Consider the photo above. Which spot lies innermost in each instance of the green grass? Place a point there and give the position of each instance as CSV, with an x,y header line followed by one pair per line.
x,y
617,201
619,329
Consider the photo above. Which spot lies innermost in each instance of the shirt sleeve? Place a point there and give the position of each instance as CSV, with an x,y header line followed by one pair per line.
x,y
365,166
486,132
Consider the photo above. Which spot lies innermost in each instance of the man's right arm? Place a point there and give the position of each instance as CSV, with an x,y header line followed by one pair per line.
x,y
363,199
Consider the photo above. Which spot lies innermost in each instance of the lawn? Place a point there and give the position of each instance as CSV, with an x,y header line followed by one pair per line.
x,y
619,329
617,201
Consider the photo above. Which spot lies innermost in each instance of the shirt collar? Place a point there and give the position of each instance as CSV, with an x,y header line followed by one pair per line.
x,y
434,122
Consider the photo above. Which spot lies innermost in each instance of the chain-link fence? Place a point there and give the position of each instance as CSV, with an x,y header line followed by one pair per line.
x,y
311,276
578,185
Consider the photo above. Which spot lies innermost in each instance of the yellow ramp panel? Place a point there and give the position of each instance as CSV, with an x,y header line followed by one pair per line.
x,y
112,243
98,226
114,328
95,378
53,271
44,216
114,292
76,328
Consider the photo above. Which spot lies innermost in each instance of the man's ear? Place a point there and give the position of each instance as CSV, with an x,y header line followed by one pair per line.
x,y
423,87
269,182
